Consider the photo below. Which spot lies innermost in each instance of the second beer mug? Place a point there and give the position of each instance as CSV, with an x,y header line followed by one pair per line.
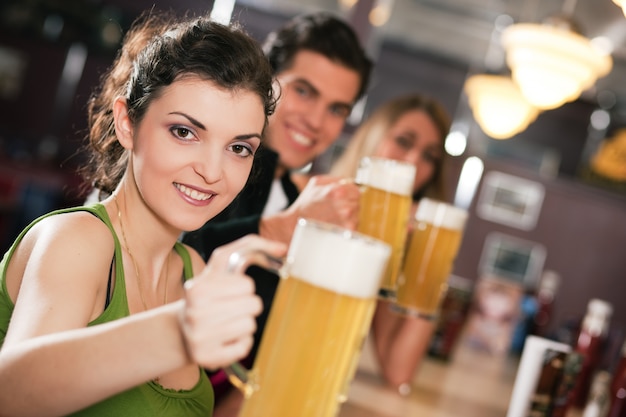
x,y
320,316
433,243
385,204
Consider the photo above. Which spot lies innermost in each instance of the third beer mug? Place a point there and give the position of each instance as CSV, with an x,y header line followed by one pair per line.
x,y
319,318
386,189
432,247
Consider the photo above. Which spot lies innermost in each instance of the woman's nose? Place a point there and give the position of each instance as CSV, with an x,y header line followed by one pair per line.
x,y
210,167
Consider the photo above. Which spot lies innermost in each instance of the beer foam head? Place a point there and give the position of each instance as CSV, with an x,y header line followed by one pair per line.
x,y
441,214
386,174
337,259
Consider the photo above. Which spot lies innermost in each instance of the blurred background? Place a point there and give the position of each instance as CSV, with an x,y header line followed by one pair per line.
x,y
550,197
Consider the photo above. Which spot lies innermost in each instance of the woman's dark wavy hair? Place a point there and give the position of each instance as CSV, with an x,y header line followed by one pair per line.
x,y
224,55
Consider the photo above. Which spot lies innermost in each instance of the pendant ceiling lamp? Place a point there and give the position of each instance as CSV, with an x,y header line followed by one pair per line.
x,y
610,158
551,63
498,105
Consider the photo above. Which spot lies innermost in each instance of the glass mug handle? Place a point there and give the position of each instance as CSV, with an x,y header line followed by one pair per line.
x,y
237,374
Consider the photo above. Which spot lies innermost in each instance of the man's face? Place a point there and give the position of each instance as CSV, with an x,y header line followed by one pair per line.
x,y
317,95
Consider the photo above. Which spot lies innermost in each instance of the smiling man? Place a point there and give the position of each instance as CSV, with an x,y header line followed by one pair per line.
x,y
317,94
321,70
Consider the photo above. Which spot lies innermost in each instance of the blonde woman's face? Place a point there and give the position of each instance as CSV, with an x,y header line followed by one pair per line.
x,y
414,138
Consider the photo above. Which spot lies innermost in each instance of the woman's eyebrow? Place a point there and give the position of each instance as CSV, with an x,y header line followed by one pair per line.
x,y
199,125
193,121
248,136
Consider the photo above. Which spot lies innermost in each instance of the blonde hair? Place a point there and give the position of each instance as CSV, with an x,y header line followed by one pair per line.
x,y
371,132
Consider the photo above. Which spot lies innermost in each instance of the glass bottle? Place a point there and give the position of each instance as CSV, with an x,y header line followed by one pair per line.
x,y
571,369
617,407
599,398
590,344
548,287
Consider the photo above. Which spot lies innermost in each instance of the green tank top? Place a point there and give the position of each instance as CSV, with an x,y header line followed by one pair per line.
x,y
149,399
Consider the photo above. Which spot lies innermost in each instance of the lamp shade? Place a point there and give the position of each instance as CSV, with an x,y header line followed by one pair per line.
x,y
610,158
498,105
552,65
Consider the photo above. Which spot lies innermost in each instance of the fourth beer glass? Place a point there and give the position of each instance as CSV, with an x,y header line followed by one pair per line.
x,y
432,247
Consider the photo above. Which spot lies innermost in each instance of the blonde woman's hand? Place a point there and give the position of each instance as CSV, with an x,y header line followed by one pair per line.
x,y
218,320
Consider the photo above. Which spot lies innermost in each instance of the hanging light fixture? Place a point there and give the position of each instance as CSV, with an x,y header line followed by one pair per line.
x,y
498,105
380,13
551,63
610,159
622,4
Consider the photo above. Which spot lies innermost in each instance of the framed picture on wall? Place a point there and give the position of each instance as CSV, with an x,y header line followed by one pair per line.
x,y
510,200
12,70
513,259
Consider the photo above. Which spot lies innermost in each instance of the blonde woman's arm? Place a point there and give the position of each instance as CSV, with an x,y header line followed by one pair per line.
x,y
400,343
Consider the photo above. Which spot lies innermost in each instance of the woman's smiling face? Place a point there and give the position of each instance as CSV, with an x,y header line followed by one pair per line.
x,y
414,138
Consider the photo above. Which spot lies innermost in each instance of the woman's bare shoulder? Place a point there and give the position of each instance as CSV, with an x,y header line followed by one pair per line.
x,y
79,237
72,230
63,251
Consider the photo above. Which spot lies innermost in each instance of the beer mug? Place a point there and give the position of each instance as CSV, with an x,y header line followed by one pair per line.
x,y
432,246
385,204
320,316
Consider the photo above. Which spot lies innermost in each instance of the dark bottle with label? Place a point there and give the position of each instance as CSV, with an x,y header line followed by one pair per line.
x,y
598,402
590,344
571,369
617,407
548,287
549,379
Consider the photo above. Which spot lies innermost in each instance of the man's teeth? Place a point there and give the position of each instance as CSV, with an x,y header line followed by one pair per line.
x,y
301,139
195,194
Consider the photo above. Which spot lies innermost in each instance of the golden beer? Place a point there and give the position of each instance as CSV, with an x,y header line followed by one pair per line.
x,y
432,247
385,204
314,332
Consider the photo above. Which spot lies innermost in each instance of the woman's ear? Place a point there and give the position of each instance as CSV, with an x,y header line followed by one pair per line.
x,y
123,125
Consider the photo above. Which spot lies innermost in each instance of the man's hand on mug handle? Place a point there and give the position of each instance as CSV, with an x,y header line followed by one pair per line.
x,y
325,198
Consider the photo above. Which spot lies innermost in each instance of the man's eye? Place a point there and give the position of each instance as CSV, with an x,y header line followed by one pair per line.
x,y
341,111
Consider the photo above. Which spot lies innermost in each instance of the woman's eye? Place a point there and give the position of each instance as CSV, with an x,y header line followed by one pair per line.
x,y
404,142
241,150
182,132
431,157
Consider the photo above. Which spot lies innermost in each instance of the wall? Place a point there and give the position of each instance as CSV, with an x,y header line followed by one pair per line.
x,y
583,230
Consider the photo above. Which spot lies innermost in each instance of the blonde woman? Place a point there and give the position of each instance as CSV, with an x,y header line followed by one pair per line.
x,y
410,128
